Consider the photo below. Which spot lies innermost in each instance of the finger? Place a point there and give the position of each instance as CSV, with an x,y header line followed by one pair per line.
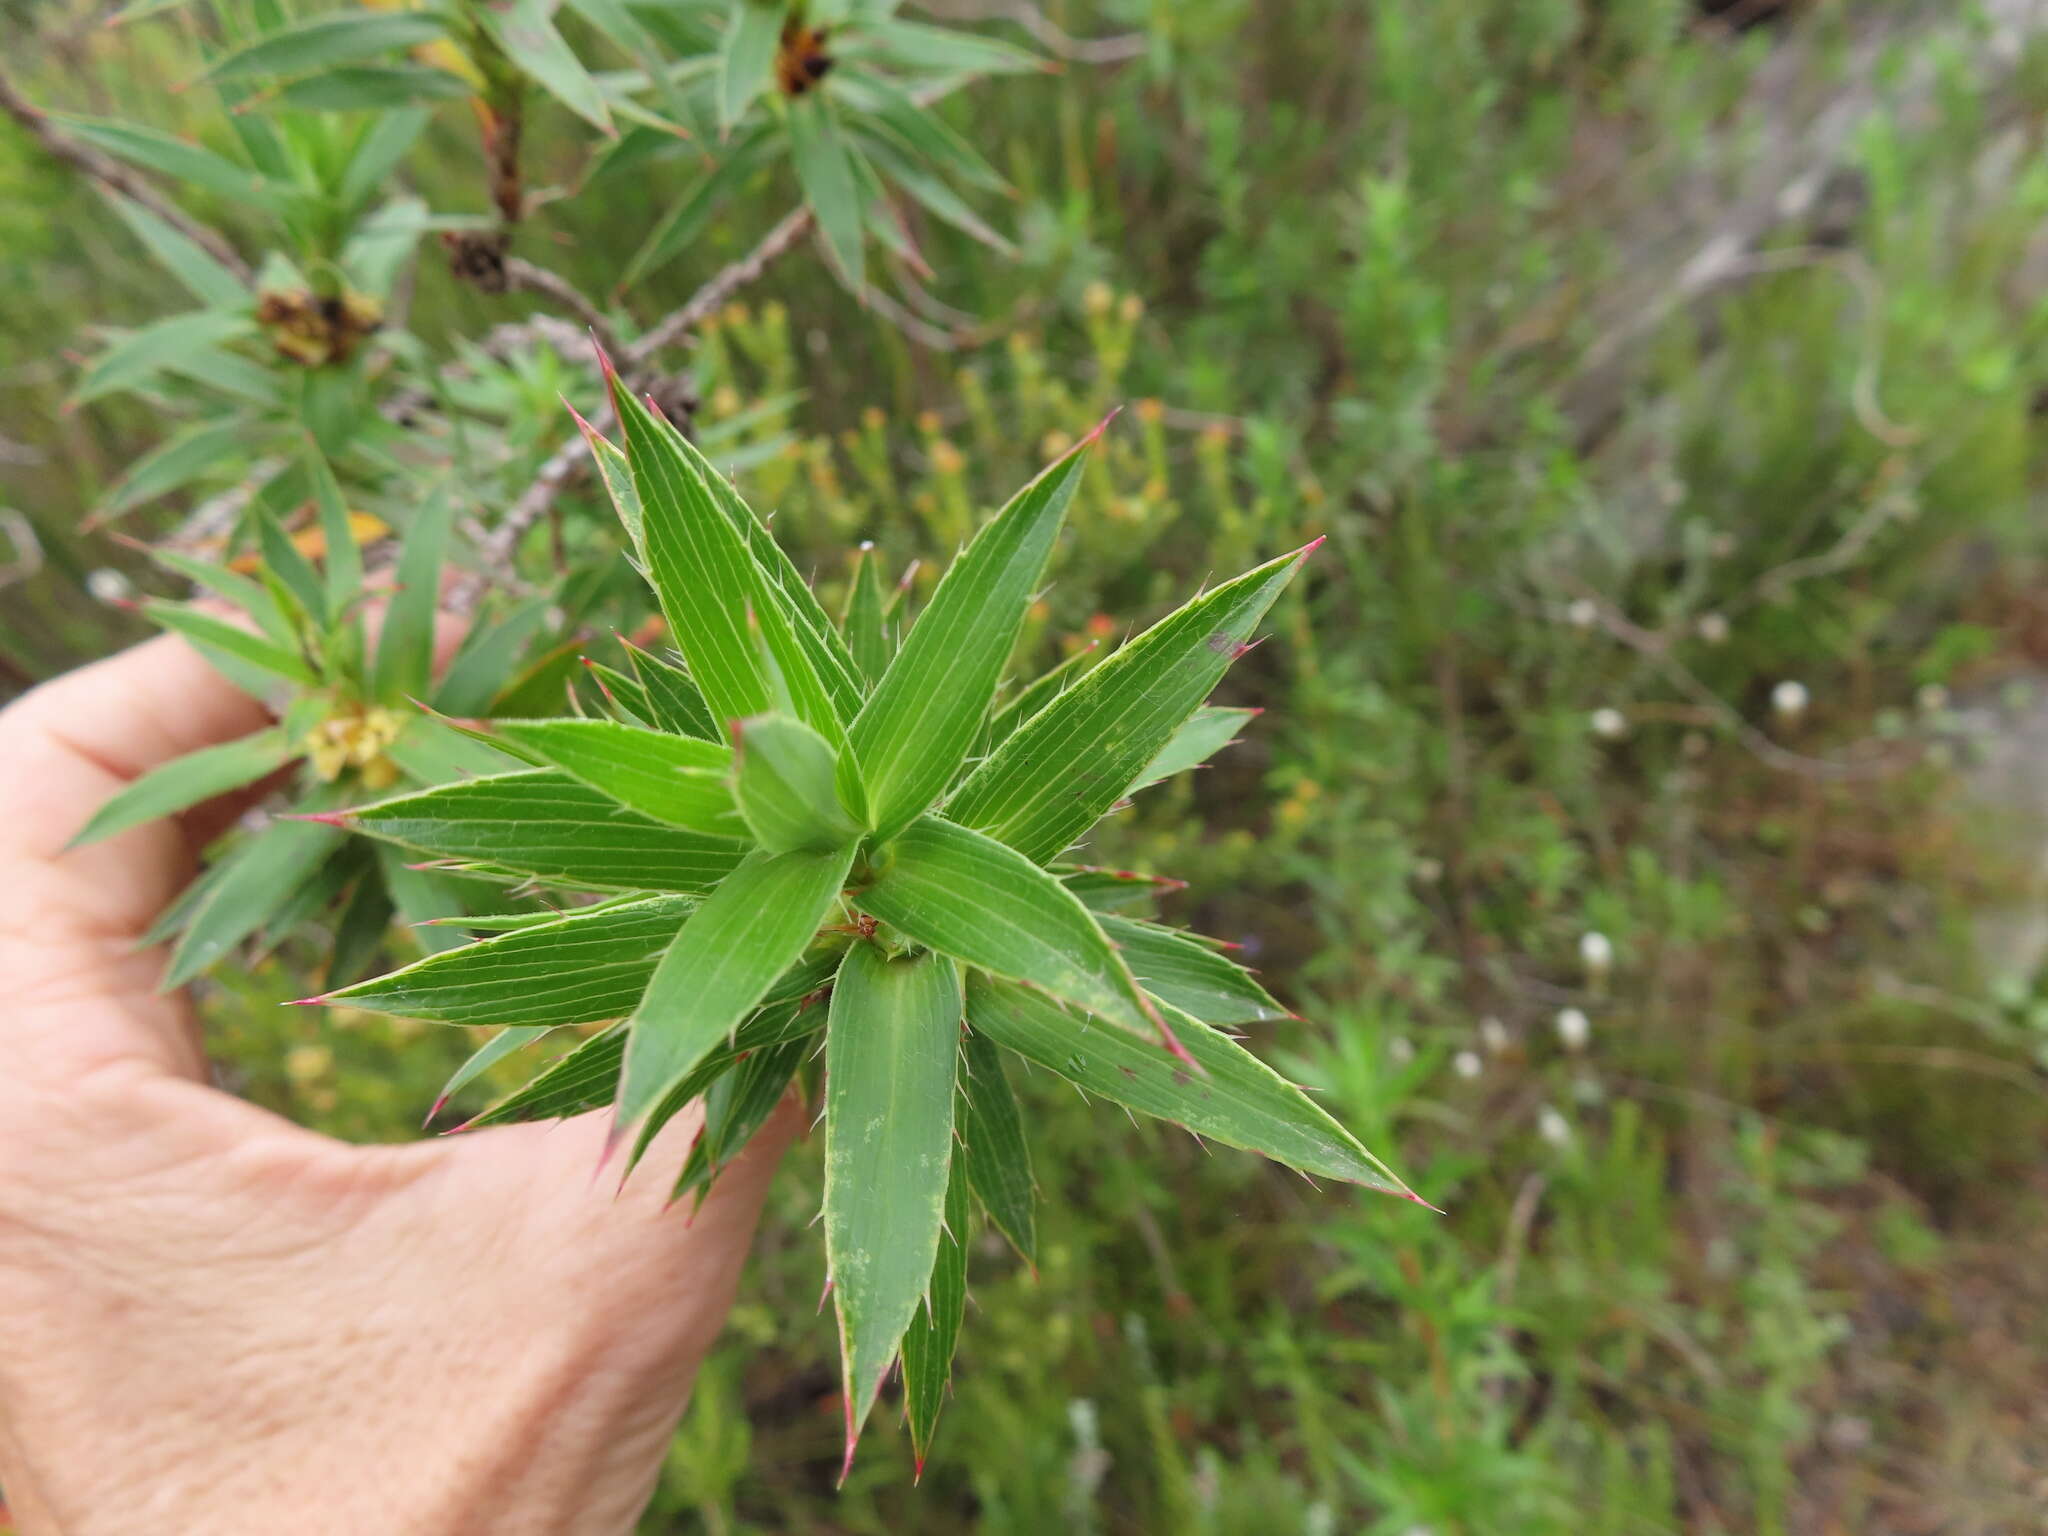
x,y
80,993
69,745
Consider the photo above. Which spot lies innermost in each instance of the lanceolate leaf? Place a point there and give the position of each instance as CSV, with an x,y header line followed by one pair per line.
x,y
1238,1100
1114,890
970,897
573,970
993,1151
552,827
676,704
504,1044
245,895
712,591
916,728
1191,976
217,637
177,461
739,1104
405,645
889,1052
866,623
180,255
1072,761
1201,736
1035,695
186,781
747,932
746,56
587,1078
692,216
784,782
675,779
173,157
342,37
824,168
141,355
935,1330
813,631
526,31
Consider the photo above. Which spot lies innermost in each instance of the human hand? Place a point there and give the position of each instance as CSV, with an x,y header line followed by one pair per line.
x,y
217,1321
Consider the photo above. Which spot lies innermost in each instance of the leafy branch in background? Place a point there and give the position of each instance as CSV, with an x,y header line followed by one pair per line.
x,y
801,828
347,448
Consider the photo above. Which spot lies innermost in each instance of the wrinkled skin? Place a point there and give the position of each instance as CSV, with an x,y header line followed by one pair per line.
x,y
216,1321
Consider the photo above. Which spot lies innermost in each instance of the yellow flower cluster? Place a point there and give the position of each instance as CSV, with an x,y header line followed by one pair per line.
x,y
356,739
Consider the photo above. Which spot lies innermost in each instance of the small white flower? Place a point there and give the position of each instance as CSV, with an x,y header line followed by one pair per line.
x,y
1553,1127
1574,1029
1583,613
1596,952
1493,1035
1467,1064
1789,699
1429,871
108,585
1712,628
1401,1050
1932,698
1608,724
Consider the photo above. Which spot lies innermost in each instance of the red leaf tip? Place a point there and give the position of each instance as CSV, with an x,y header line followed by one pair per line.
x,y
1311,546
1101,427
309,1002
325,818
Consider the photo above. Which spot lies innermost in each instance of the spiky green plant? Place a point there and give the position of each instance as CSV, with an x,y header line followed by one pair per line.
x,y
804,811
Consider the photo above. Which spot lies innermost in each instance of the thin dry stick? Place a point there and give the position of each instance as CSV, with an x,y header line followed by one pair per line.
x,y
110,173
531,278
719,290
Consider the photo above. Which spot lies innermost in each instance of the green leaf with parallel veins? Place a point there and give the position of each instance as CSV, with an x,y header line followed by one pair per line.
x,y
676,704
571,970
746,57
935,1330
689,218
1200,737
1238,1100
405,645
970,897
747,933
914,45
1188,974
1067,765
711,588
340,37
525,30
890,1045
552,827
176,462
173,157
993,1150
180,255
505,1044
140,355
219,639
813,632
824,168
587,1078
783,779
737,1105
914,732
245,896
865,622
373,88
1114,890
1035,695
674,779
185,781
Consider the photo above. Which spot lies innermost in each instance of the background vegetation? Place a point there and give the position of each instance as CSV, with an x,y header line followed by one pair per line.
x,y
1640,358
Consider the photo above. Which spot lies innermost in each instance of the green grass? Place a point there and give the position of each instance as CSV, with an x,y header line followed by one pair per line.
x,y
1393,274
